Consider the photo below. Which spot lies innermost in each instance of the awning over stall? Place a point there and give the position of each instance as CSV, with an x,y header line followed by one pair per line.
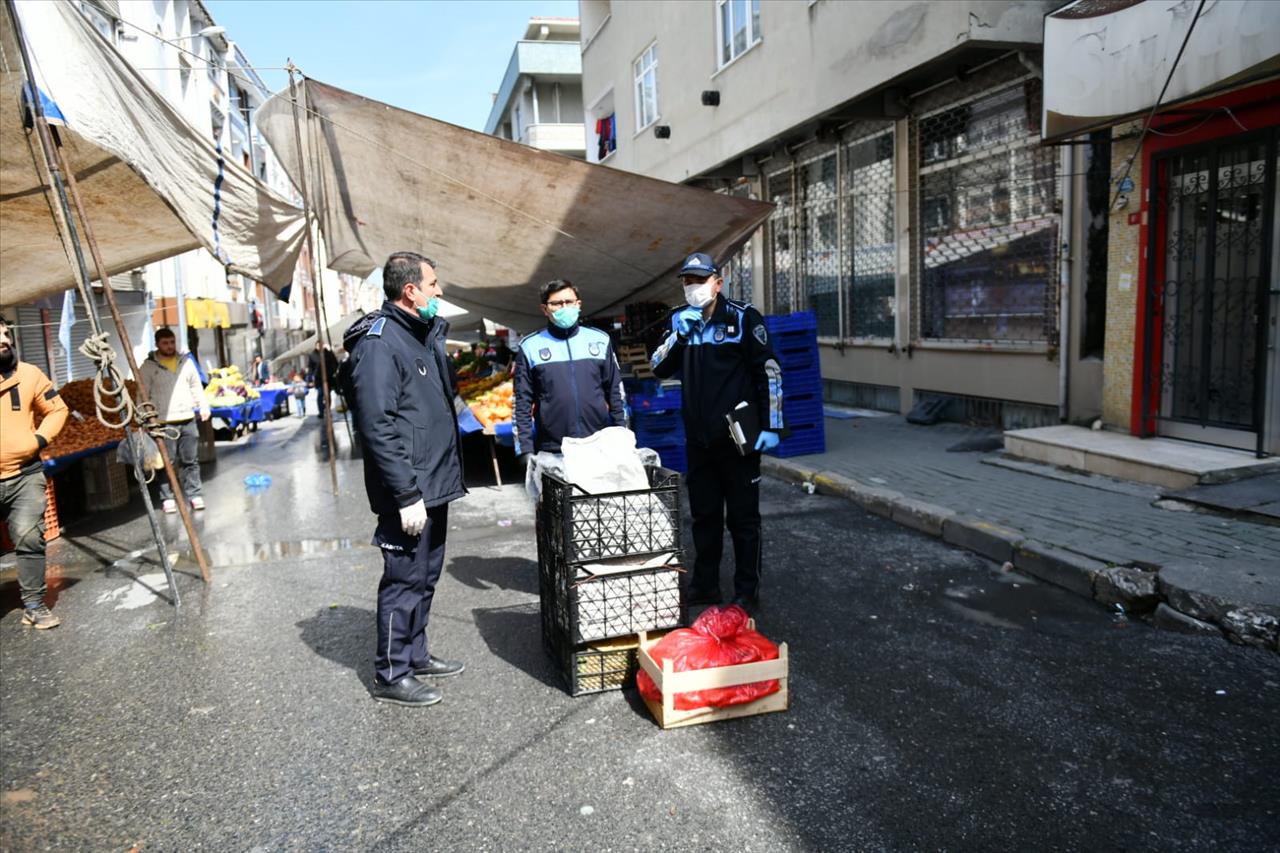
x,y
153,185
500,218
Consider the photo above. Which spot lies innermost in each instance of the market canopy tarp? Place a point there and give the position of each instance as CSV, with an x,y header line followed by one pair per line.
x,y
500,218
152,185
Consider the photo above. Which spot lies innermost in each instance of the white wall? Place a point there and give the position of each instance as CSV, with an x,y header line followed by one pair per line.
x,y
812,57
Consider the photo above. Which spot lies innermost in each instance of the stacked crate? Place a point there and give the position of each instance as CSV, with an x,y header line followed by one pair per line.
x,y
592,607
795,342
633,360
658,424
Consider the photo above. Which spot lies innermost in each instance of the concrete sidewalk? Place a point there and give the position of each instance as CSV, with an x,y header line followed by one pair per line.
x,y
1120,543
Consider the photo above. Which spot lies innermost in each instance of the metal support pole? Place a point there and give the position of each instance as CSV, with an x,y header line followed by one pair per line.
x,y
135,443
315,279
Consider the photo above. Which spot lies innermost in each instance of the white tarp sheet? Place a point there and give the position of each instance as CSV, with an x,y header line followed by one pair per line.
x,y
499,218
1106,60
153,186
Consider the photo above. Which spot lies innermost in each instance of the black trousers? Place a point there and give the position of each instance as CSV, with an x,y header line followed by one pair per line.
x,y
410,569
724,489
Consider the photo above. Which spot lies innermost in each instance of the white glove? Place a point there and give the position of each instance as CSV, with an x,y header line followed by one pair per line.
x,y
413,518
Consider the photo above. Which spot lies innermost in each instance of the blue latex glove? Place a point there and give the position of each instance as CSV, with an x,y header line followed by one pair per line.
x,y
687,320
767,440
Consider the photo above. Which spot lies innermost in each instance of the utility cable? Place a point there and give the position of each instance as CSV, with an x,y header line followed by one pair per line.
x,y
1146,125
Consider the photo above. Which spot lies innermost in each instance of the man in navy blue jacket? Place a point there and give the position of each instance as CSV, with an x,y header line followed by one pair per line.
x,y
412,468
720,349
567,377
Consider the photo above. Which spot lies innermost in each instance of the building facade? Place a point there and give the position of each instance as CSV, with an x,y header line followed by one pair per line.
x,y
540,100
1191,211
917,213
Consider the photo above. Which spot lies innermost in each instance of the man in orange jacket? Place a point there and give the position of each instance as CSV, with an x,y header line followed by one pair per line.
x,y
25,391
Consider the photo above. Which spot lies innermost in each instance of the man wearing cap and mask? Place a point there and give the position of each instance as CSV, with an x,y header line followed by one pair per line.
x,y
567,377
399,378
720,349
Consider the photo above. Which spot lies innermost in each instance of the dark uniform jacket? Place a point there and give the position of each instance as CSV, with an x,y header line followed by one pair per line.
x,y
723,362
404,411
568,379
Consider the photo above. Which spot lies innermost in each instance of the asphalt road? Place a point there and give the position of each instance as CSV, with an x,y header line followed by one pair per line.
x,y
936,702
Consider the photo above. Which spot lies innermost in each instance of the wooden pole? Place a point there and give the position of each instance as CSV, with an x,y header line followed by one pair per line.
x,y
183,508
315,280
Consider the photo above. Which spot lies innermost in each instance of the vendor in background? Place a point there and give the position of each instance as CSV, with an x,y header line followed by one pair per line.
x,y
25,392
483,363
174,388
503,357
567,378
315,380
261,371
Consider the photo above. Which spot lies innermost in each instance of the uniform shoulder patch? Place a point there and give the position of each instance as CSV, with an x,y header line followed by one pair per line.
x,y
761,334
375,331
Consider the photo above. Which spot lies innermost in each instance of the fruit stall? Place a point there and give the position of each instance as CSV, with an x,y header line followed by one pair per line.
x,y
489,404
234,401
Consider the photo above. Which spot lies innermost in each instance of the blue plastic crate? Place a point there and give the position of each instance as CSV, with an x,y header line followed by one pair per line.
x,y
666,437
660,421
642,403
803,356
797,321
673,455
801,383
802,413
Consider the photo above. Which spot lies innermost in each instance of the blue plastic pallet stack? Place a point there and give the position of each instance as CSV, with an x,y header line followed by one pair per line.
x,y
658,424
795,342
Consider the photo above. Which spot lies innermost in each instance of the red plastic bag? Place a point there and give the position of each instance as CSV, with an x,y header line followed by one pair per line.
x,y
719,637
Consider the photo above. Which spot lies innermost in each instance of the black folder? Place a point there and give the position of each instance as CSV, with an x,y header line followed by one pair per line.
x,y
744,427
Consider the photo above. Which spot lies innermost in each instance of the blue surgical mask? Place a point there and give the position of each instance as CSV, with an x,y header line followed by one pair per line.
x,y
565,317
429,310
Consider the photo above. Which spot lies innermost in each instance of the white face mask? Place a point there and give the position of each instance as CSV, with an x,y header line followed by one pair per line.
x,y
699,295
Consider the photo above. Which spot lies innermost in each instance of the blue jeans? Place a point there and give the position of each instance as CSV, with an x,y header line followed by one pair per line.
x,y
184,452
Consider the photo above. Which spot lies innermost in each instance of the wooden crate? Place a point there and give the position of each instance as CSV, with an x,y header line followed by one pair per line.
x,y
670,683
106,485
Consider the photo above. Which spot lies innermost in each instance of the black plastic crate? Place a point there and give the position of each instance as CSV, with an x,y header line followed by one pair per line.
x,y
578,607
596,667
582,527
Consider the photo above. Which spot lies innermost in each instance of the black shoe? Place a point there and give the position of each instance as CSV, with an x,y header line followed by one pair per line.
x,y
437,668
748,603
702,599
407,691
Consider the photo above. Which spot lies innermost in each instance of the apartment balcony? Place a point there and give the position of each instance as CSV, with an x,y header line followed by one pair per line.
x,y
563,138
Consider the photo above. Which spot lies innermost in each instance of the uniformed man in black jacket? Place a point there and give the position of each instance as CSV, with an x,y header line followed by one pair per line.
x,y
720,349
567,377
412,468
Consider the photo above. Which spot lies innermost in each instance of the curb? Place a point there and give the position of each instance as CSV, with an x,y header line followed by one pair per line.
x,y
1138,588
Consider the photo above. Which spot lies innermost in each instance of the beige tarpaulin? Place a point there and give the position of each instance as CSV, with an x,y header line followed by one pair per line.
x,y
153,186
500,218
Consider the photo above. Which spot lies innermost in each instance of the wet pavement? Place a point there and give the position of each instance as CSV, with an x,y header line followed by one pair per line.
x,y
937,702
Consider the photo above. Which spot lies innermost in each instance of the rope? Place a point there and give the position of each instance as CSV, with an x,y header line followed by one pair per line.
x,y
109,387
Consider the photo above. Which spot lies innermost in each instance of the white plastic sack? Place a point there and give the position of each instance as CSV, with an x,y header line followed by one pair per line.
x,y
604,462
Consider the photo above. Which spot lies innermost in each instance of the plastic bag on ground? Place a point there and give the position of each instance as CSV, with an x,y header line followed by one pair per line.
x,y
719,637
